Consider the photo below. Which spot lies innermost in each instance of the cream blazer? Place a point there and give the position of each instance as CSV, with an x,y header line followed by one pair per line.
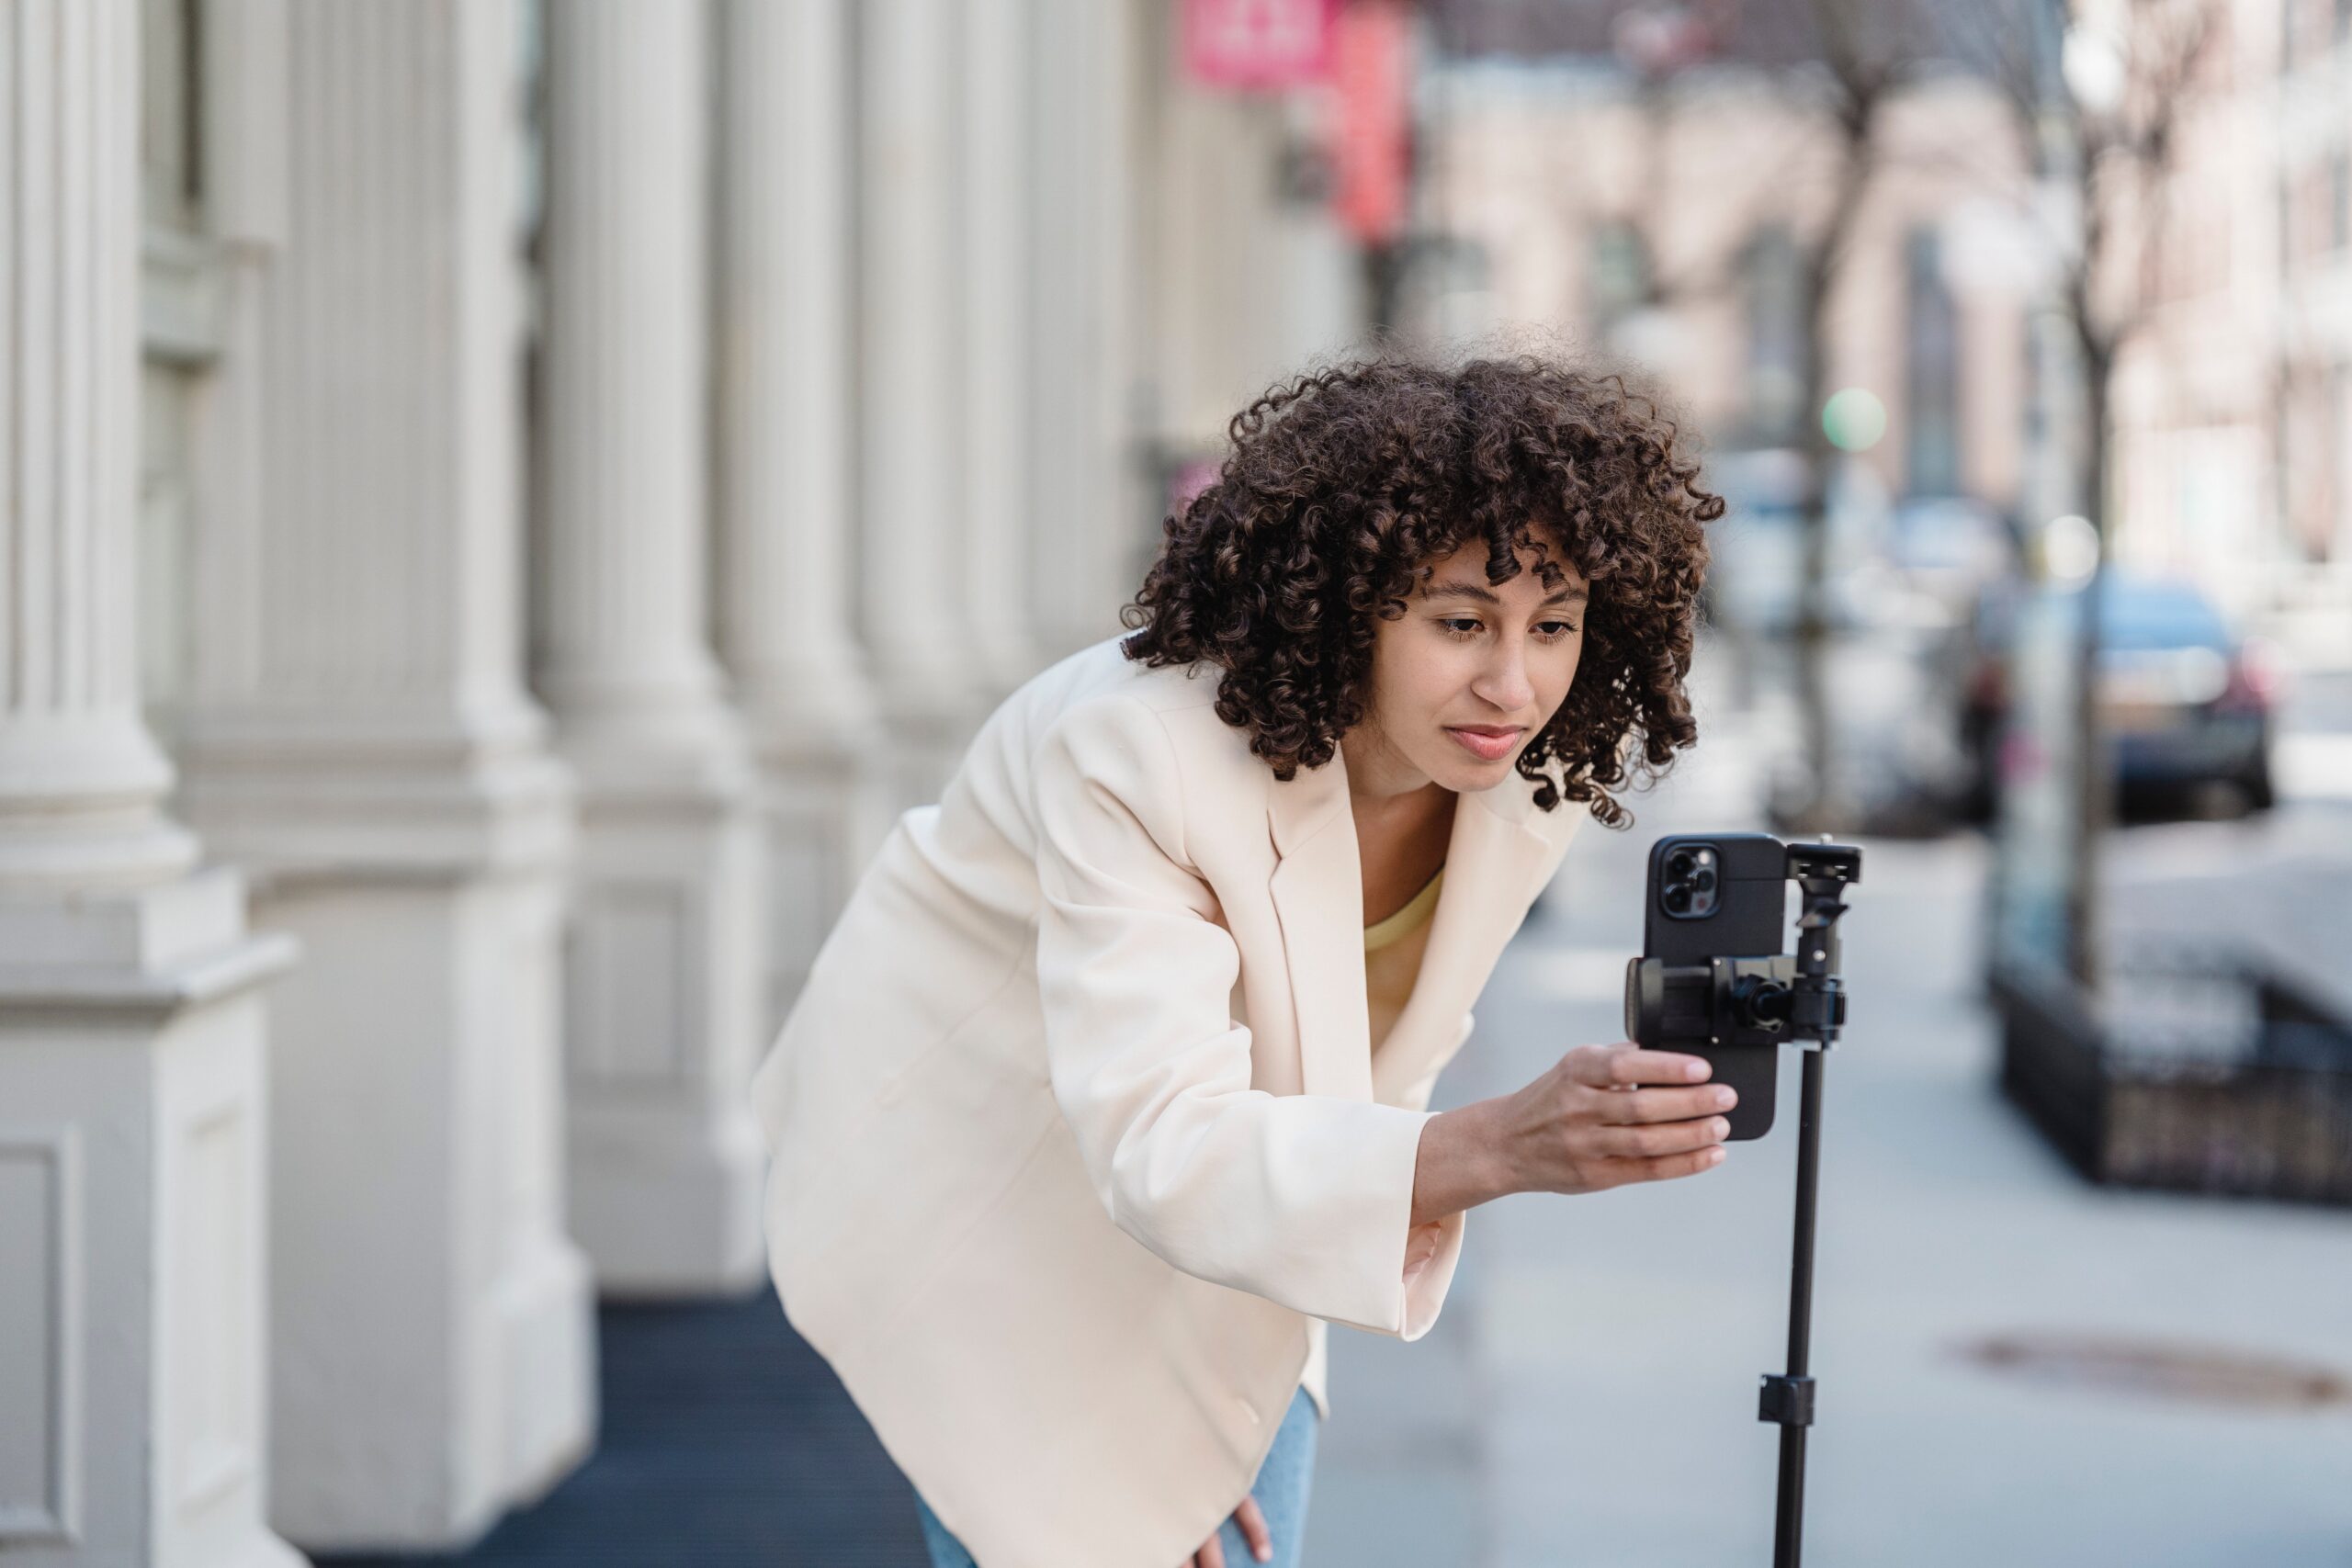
x,y
1075,1130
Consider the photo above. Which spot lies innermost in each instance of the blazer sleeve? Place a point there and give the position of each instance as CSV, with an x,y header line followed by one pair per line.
x,y
1305,1199
1435,1249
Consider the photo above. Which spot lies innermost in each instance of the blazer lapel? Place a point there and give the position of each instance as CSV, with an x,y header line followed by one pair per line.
x,y
1318,888
1492,859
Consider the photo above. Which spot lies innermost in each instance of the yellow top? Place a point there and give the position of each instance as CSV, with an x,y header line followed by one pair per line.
x,y
1392,957
1416,910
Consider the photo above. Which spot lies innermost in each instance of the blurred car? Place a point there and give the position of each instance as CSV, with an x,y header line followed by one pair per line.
x,y
2184,698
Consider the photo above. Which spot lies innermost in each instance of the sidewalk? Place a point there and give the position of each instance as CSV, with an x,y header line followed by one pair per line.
x,y
1588,1396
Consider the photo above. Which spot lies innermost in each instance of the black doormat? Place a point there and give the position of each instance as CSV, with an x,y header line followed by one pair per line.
x,y
725,1441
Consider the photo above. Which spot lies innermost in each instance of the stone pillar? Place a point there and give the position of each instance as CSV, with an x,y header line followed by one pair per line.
x,y
786,529
357,733
993,191
665,967
913,515
135,1143
1093,526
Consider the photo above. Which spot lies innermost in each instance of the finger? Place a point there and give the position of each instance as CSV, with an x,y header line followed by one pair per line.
x,y
1211,1554
1624,1063
1666,1167
1253,1529
1667,1104
1658,1138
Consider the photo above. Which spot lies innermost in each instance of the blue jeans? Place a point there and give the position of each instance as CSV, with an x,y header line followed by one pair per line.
x,y
1281,1490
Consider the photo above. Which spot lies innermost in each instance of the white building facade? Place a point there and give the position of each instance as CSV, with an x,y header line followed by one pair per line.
x,y
2234,400
508,501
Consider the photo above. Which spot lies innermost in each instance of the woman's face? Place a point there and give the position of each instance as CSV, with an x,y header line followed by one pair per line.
x,y
1466,676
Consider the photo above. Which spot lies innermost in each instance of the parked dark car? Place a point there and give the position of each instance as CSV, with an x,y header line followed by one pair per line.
x,y
2185,698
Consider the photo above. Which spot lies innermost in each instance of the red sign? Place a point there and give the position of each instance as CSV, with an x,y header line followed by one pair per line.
x,y
1258,44
1372,119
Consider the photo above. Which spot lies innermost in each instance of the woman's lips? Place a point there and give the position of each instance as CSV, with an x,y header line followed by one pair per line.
x,y
1491,746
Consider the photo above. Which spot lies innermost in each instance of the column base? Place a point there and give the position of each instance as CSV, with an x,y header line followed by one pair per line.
x,y
434,1326
824,824
543,1310
255,1549
134,1152
662,1020
677,1221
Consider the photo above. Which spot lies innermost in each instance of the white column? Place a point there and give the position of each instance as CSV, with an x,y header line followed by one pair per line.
x,y
993,194
133,1138
357,731
786,527
666,963
913,515
1093,531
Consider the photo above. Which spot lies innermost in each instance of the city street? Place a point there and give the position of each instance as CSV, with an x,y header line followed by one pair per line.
x,y
555,607
1588,1396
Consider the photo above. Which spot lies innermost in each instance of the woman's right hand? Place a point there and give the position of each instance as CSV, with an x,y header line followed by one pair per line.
x,y
1251,1521
1607,1115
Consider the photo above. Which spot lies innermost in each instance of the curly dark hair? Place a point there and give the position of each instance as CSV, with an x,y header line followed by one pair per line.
x,y
1342,487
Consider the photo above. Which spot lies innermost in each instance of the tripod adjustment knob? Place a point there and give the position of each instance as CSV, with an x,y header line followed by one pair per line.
x,y
1784,1400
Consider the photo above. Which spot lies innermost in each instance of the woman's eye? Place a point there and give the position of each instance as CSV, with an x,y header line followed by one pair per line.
x,y
1459,626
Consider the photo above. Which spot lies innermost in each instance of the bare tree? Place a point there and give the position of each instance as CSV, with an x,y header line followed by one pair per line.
x,y
1843,63
1844,60
2105,119
1867,53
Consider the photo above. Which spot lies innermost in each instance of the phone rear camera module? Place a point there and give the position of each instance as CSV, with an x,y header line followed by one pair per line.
x,y
1687,881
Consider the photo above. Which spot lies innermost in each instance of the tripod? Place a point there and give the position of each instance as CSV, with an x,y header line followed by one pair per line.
x,y
1815,1008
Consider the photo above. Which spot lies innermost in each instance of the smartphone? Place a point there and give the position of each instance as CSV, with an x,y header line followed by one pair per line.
x,y
1723,895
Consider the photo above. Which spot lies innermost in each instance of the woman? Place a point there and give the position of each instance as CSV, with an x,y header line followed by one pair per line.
x,y
1109,1090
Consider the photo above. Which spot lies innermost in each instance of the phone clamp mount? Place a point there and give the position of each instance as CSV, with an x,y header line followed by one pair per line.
x,y
1798,998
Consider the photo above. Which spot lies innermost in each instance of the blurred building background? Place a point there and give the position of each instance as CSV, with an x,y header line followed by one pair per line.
x,y
509,498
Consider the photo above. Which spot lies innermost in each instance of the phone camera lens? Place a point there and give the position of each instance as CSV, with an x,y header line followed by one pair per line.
x,y
1678,864
1677,899
1703,880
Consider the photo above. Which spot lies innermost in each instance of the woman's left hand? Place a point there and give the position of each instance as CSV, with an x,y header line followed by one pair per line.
x,y
1253,1529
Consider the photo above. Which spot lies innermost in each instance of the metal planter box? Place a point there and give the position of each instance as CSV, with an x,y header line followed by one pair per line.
x,y
2192,1073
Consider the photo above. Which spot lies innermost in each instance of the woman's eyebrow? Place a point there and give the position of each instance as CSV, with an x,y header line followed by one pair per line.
x,y
1488,596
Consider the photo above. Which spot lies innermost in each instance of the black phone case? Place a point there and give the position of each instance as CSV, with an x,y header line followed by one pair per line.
x,y
1749,920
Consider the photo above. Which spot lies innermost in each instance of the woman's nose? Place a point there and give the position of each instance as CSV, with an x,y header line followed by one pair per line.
x,y
1505,682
